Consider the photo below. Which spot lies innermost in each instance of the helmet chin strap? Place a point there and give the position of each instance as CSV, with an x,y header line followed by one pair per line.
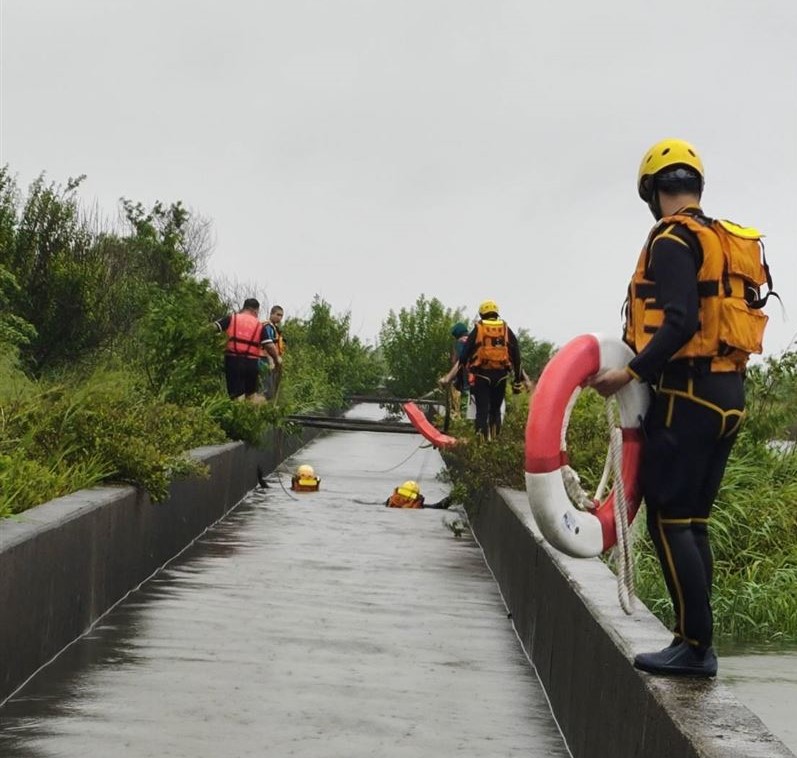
x,y
654,204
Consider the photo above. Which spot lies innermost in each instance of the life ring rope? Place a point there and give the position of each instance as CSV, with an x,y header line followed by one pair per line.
x,y
577,494
623,549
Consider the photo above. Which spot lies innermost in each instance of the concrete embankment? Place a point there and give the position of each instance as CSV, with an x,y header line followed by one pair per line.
x,y
64,563
569,622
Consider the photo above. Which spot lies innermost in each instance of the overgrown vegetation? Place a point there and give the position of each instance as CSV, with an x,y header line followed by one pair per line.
x,y
416,343
325,361
754,529
110,366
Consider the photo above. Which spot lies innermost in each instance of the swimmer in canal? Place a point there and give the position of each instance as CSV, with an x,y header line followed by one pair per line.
x,y
408,495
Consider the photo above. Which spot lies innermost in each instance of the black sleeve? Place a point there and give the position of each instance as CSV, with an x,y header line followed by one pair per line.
x,y
223,323
444,503
514,355
673,268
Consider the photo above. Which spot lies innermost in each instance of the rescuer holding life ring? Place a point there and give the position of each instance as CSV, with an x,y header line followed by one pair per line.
x,y
693,318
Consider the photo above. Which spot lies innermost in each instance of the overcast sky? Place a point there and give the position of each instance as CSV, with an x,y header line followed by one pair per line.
x,y
371,150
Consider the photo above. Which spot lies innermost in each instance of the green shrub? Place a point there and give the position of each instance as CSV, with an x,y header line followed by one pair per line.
x,y
242,420
476,464
106,429
177,346
324,363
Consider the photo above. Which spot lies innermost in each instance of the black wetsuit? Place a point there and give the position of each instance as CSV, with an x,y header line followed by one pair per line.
x,y
690,430
489,385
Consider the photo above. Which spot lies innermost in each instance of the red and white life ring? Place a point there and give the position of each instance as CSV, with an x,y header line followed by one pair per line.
x,y
582,534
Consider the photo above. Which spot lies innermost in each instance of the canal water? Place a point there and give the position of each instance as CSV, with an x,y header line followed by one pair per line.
x,y
303,624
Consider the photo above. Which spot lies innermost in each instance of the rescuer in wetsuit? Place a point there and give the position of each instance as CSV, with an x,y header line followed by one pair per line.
x,y
692,319
408,495
490,354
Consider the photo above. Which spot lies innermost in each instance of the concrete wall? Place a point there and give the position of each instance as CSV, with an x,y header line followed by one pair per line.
x,y
568,618
64,563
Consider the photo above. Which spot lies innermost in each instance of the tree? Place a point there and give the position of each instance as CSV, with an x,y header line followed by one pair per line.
x,y
534,353
324,362
416,344
80,287
179,348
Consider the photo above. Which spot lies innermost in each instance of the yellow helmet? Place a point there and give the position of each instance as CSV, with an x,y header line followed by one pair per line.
x,y
306,471
488,306
667,154
411,486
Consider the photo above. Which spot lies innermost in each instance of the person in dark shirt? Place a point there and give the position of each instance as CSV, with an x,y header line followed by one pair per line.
x,y
274,350
490,354
245,337
691,326
459,388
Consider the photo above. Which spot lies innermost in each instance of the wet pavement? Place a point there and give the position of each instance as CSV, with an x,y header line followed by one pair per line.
x,y
766,682
303,624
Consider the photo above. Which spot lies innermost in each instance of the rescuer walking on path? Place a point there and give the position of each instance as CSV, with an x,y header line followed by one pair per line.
x,y
490,353
693,319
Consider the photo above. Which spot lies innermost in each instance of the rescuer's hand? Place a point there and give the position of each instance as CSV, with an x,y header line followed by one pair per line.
x,y
607,382
444,381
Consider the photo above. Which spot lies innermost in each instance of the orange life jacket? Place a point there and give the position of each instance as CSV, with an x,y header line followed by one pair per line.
x,y
279,340
492,345
305,483
403,498
731,325
243,333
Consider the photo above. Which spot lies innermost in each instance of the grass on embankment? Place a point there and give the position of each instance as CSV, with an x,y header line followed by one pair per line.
x,y
60,437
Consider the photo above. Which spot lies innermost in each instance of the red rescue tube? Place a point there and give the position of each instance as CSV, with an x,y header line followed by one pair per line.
x,y
424,427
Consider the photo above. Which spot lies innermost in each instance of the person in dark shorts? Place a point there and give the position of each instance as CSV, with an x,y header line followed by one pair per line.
x,y
245,337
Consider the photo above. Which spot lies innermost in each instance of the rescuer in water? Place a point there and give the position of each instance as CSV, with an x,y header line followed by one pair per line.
x,y
408,495
305,480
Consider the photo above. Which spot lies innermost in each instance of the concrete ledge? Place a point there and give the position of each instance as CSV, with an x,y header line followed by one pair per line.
x,y
568,619
66,562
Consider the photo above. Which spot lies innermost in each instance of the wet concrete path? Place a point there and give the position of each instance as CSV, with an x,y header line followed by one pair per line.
x,y
313,624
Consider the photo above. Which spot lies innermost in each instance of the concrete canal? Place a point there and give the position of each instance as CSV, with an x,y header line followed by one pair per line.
x,y
302,624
